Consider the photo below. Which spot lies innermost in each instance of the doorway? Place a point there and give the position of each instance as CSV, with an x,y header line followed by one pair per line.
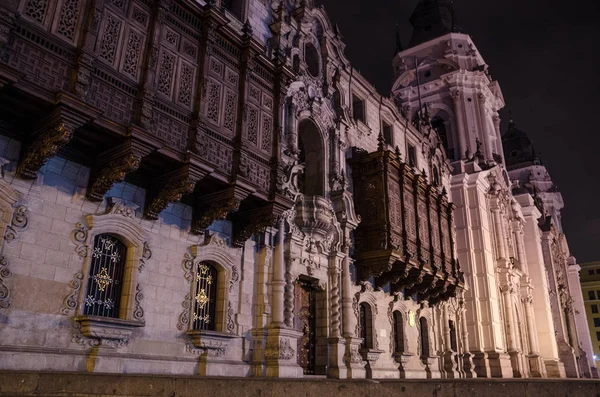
x,y
305,323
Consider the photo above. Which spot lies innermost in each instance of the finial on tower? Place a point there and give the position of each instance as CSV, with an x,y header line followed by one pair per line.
x,y
399,47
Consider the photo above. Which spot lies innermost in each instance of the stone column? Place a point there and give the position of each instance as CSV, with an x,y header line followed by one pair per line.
x,y
336,367
487,137
519,237
511,332
460,125
280,353
536,364
278,283
500,242
467,358
352,357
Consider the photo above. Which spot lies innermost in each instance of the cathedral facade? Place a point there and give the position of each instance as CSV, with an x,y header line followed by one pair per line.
x,y
210,188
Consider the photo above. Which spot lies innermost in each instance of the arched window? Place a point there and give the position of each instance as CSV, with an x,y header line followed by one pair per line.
x,y
398,332
105,280
311,57
312,154
366,324
205,297
424,337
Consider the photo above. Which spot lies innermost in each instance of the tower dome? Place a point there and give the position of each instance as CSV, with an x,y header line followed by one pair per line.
x,y
518,148
431,19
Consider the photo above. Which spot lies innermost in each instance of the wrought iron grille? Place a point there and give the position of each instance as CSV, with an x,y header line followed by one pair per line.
x,y
206,297
106,277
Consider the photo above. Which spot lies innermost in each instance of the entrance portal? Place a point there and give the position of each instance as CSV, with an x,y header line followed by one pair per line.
x,y
305,322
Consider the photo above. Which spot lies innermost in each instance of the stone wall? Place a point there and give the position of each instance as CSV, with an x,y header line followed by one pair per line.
x,y
44,264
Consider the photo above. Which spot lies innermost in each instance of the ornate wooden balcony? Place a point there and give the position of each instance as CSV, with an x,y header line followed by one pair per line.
x,y
164,94
405,237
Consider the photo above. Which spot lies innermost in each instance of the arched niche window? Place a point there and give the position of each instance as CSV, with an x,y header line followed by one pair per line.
x,y
366,325
398,332
424,329
205,297
105,280
453,341
312,155
311,57
439,125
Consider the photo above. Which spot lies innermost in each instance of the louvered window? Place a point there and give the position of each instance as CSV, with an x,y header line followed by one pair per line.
x,y
106,277
206,297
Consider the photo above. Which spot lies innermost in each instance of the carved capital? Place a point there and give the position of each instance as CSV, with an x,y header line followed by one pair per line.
x,y
54,132
253,221
114,165
216,206
171,187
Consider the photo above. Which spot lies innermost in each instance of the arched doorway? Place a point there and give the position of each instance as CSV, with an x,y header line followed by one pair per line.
x,y
312,156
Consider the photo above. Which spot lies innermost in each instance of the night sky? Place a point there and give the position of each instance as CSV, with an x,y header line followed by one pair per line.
x,y
545,57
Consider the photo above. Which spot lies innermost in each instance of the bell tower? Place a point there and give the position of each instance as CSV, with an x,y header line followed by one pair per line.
x,y
442,77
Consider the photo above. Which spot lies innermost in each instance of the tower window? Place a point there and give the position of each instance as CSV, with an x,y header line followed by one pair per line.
x,y
412,156
591,272
596,321
594,308
106,277
205,298
386,130
234,6
453,341
358,108
591,295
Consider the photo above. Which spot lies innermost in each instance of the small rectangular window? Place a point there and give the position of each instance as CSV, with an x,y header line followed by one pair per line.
x,y
358,108
591,272
597,271
591,295
598,294
412,156
598,335
594,308
386,131
234,7
596,321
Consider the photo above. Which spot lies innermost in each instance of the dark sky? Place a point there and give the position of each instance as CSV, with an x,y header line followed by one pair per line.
x,y
545,57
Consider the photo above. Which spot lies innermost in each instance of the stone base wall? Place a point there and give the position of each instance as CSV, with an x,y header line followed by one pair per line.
x,y
83,385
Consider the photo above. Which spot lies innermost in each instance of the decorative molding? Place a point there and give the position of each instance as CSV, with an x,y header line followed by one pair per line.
x,y
138,310
230,322
184,317
19,223
235,276
4,291
79,237
70,303
146,255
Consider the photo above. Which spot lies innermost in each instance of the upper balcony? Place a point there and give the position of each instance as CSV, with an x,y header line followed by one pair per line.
x,y
405,237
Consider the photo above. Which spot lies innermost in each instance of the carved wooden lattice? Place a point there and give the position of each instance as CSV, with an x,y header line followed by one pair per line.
x,y
67,22
110,38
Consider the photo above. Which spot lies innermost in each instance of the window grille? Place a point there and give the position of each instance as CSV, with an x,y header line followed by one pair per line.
x,y
206,297
106,277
